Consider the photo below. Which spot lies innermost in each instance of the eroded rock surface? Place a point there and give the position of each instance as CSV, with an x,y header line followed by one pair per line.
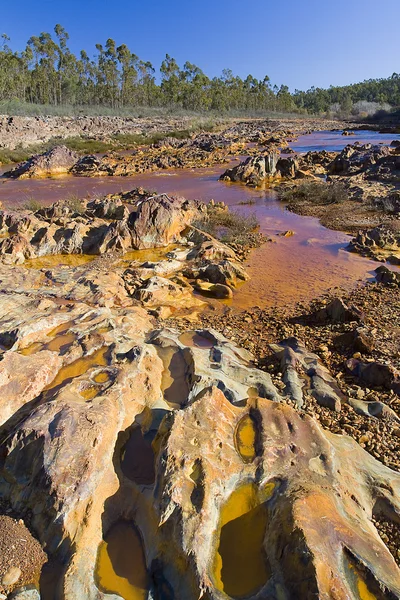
x,y
156,462
56,161
95,227
380,243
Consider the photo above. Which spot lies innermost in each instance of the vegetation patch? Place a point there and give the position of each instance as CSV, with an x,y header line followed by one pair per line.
x,y
33,205
238,231
117,142
317,193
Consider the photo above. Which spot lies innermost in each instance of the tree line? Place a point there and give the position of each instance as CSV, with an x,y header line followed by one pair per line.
x,y
47,72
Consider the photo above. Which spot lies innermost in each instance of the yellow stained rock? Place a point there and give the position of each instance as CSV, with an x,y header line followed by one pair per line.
x,y
121,566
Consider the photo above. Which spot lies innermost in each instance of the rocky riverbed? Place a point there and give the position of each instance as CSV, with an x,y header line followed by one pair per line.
x,y
155,443
18,131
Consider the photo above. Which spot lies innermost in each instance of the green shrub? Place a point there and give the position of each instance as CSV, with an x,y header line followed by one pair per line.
x,y
75,204
316,193
32,204
228,226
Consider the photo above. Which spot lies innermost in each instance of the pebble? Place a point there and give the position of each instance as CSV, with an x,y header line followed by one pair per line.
x,y
11,577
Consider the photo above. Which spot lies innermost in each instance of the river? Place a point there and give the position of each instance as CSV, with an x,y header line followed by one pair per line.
x,y
282,271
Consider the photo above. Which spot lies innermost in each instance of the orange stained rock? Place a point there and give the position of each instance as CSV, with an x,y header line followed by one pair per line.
x,y
361,588
76,368
174,381
326,530
102,377
245,438
147,255
121,566
59,339
194,339
58,260
90,392
240,565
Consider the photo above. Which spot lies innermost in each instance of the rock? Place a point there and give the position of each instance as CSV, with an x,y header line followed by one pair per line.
x,y
359,340
379,242
22,378
224,272
200,151
159,291
11,577
316,158
305,174
386,276
254,169
355,159
108,209
160,221
207,247
373,374
89,166
293,356
287,167
216,290
25,594
56,161
306,515
337,312
16,249
102,226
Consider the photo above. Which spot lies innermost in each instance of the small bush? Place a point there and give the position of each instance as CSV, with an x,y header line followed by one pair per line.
x,y
315,193
32,205
14,156
228,226
388,204
75,204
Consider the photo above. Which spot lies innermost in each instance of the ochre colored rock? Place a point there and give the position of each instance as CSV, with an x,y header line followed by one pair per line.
x,y
56,161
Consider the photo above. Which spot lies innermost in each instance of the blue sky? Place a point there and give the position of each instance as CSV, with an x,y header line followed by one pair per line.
x,y
296,42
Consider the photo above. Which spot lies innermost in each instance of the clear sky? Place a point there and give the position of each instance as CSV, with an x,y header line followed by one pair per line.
x,y
297,42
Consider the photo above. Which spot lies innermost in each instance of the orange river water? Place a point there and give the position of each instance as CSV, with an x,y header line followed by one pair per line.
x,y
282,272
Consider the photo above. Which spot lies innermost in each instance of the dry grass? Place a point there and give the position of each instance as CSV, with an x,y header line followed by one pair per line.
x,y
228,226
320,194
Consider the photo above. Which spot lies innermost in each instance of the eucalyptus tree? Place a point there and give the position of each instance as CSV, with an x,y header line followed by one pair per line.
x,y
47,72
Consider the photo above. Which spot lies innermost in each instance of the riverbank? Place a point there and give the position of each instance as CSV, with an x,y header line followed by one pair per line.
x,y
151,420
20,137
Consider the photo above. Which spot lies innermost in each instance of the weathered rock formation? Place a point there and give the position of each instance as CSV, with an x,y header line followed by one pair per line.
x,y
57,161
159,463
256,170
99,227
199,152
380,243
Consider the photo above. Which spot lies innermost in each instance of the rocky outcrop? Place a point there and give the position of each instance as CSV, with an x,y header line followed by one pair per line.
x,y
387,277
254,169
337,312
57,161
294,357
199,152
178,436
380,243
25,131
356,158
98,227
258,169
276,491
160,220
160,461
225,272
